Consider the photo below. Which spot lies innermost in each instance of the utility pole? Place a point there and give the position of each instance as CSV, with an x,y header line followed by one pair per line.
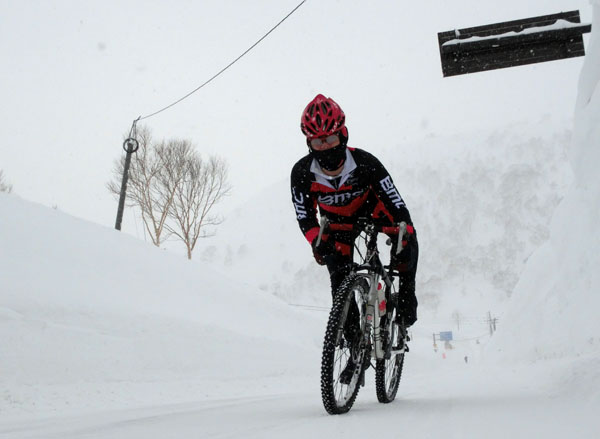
x,y
456,316
491,321
130,146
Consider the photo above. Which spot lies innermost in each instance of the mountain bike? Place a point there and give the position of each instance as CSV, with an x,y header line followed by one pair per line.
x,y
363,324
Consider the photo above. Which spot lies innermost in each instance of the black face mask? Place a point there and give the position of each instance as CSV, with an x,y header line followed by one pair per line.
x,y
330,159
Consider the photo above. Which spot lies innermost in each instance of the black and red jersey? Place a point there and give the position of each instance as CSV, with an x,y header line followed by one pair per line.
x,y
363,188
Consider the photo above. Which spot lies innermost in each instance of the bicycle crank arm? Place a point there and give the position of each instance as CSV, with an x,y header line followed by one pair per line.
x,y
399,351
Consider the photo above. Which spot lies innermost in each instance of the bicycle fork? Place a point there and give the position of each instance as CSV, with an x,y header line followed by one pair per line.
x,y
376,307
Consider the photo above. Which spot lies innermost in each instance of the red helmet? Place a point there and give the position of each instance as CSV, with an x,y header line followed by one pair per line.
x,y
322,117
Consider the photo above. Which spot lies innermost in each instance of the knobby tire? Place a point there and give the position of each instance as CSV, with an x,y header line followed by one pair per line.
x,y
338,398
388,372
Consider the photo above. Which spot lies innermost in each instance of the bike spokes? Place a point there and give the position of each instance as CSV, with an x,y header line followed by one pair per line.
x,y
343,350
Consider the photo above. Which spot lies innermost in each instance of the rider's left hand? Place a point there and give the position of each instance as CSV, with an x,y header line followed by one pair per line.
x,y
322,251
407,259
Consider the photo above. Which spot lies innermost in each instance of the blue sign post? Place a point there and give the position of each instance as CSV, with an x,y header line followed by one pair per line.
x,y
446,336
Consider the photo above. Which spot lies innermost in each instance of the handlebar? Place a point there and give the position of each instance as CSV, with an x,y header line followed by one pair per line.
x,y
359,226
389,230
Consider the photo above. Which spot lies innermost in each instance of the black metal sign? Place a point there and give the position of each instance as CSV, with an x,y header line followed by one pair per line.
x,y
512,43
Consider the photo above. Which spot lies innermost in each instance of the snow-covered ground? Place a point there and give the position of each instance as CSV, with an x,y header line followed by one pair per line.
x,y
92,318
104,336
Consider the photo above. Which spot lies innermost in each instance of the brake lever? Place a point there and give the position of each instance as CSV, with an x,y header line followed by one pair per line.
x,y
401,233
323,222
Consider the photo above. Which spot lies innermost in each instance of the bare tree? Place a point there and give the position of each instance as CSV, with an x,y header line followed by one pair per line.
x,y
4,185
204,185
174,188
146,189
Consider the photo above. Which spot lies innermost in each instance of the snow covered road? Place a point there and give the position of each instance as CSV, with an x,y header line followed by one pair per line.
x,y
451,403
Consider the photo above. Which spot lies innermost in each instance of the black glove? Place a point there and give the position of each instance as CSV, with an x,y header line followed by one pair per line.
x,y
322,251
407,260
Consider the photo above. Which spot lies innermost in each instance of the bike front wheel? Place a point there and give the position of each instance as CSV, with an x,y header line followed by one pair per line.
x,y
388,370
344,348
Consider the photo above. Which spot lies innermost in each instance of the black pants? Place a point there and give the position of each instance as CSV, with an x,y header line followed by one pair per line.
x,y
339,267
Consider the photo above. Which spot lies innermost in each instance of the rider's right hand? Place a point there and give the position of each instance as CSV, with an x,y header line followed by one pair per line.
x,y
322,251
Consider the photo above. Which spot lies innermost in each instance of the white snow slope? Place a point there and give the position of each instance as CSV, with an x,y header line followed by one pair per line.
x,y
103,336
91,318
106,337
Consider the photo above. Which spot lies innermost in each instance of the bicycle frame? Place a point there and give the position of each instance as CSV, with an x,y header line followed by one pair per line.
x,y
351,343
372,269
376,304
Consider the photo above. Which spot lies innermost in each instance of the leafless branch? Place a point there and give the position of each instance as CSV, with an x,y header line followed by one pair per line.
x,y
204,185
4,185
144,189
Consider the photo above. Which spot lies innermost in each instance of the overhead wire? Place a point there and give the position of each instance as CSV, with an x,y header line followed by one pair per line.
x,y
310,307
224,68
472,338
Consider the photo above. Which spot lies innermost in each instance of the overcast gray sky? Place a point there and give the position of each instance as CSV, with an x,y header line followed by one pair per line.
x,y
75,75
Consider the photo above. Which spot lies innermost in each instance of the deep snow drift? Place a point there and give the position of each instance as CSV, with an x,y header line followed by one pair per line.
x,y
91,318
557,298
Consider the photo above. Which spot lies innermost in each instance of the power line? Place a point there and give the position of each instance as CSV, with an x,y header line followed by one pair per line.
x,y
471,338
310,307
226,67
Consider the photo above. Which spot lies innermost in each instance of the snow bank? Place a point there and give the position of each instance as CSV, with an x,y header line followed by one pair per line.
x,y
554,313
92,319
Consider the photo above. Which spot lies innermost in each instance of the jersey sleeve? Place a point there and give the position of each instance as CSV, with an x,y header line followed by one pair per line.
x,y
386,190
304,202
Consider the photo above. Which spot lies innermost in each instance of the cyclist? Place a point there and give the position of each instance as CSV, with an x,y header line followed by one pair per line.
x,y
346,184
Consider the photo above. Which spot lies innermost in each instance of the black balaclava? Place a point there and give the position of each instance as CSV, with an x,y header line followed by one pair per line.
x,y
332,158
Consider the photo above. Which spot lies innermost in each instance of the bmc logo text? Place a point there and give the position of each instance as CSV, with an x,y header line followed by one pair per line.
x,y
389,188
299,205
339,199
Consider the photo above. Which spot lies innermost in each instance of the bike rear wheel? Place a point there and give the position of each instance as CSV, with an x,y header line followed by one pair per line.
x,y
388,371
344,349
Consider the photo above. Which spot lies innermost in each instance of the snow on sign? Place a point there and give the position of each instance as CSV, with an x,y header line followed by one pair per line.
x,y
446,336
512,43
